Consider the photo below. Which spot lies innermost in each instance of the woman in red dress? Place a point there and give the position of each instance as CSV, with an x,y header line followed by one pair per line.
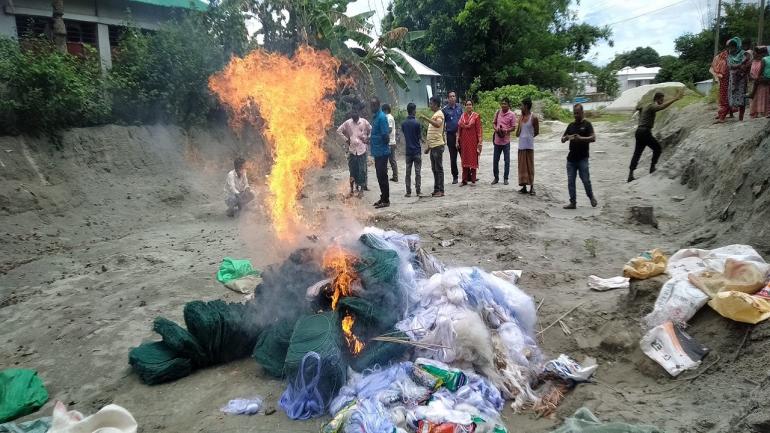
x,y
469,138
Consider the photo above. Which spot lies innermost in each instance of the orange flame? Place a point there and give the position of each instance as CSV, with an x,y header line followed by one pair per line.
x,y
339,263
291,96
354,343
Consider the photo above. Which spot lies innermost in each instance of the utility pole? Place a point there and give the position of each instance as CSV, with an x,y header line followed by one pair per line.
x,y
716,33
761,22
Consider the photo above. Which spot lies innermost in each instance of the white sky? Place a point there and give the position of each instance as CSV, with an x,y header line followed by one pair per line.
x,y
655,27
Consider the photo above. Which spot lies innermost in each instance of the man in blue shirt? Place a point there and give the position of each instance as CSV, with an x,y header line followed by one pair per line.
x,y
412,132
380,151
452,113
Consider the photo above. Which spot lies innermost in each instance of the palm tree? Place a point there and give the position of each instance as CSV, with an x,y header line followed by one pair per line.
x,y
59,29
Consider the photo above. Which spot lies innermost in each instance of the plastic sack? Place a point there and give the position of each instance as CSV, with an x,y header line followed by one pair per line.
x,y
741,307
677,301
737,276
691,260
111,418
570,370
649,264
243,406
231,269
21,393
672,348
244,285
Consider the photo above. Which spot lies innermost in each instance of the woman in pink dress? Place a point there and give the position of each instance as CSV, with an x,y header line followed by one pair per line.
x,y
469,138
760,99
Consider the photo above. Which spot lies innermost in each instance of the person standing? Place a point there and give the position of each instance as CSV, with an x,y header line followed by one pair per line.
x,y
435,140
452,112
760,99
529,128
412,132
720,73
504,123
392,141
644,137
470,136
355,131
237,190
580,134
738,64
379,139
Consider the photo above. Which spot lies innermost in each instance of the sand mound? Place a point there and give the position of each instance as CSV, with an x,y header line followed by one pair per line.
x,y
627,100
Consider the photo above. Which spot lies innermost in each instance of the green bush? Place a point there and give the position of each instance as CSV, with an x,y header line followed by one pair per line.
x,y
164,76
553,111
489,102
43,91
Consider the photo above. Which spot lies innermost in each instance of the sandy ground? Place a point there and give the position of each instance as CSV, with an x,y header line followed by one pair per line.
x,y
81,285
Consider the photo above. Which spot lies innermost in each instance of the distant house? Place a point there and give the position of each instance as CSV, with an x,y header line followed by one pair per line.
x,y
98,23
628,78
418,91
704,87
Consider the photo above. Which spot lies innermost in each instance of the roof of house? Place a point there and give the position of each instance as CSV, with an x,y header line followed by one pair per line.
x,y
641,70
184,4
418,66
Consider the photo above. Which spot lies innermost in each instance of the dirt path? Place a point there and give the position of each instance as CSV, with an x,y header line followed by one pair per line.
x,y
75,309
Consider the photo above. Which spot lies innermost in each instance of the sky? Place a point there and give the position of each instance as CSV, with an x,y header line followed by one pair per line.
x,y
634,23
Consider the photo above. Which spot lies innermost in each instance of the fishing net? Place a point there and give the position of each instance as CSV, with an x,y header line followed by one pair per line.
x,y
272,345
216,333
319,333
158,363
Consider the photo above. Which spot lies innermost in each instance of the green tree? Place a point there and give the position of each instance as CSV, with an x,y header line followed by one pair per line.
x,y
502,42
639,56
607,82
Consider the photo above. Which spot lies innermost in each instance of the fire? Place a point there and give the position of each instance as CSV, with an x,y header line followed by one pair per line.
x,y
339,263
291,97
354,343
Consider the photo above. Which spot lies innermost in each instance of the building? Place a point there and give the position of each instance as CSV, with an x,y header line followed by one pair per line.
x,y
98,23
418,91
628,78
704,87
585,83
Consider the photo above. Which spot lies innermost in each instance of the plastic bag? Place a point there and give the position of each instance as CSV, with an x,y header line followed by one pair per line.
x,y
741,307
569,369
604,284
448,377
649,264
677,301
22,393
672,348
111,418
231,269
243,406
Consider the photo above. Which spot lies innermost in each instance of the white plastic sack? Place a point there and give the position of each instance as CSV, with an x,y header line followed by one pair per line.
x,y
677,301
672,348
604,284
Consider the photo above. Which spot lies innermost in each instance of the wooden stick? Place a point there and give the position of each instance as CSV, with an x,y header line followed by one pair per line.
x,y
562,316
404,341
540,305
743,342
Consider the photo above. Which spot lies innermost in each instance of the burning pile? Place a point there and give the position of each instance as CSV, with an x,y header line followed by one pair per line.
x,y
371,305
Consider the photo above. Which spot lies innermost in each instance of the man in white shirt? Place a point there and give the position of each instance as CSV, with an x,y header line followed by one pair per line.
x,y
392,143
237,190
355,131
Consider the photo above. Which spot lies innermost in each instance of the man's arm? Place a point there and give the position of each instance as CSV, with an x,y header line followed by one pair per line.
x,y
536,125
341,131
436,123
384,127
590,138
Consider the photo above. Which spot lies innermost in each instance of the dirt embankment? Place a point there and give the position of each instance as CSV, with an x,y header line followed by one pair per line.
x,y
726,167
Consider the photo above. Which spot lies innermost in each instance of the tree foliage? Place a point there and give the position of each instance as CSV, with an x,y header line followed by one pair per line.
x,y
639,56
697,50
502,42
607,82
44,90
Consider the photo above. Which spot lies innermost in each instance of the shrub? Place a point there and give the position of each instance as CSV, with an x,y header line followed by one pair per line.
x,y
164,76
44,90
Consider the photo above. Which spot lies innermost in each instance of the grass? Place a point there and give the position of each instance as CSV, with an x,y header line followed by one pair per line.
x,y
604,116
